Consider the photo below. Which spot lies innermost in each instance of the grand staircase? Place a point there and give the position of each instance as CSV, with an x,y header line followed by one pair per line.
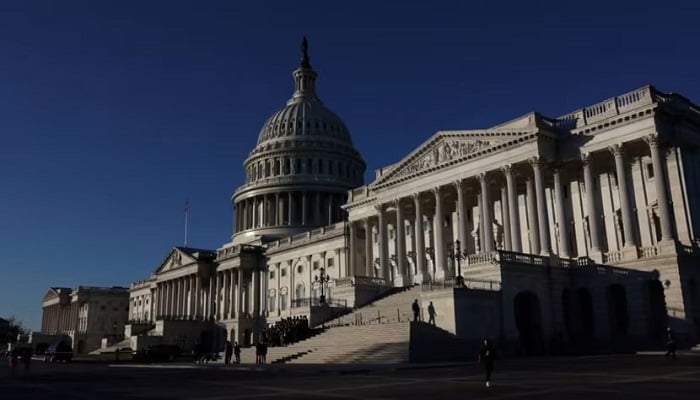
x,y
376,333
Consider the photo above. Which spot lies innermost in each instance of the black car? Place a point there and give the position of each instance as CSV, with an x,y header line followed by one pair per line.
x,y
162,352
61,351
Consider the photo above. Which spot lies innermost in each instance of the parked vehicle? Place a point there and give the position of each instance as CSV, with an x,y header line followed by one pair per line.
x,y
162,352
61,351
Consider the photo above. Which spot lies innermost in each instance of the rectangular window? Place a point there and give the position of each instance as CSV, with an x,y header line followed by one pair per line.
x,y
271,303
315,265
391,234
650,170
329,262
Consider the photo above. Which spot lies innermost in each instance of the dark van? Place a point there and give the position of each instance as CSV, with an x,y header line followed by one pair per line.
x,y
162,352
61,351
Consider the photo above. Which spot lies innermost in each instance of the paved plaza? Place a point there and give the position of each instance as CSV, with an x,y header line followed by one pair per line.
x,y
641,377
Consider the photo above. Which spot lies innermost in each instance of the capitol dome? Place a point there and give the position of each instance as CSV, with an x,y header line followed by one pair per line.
x,y
298,174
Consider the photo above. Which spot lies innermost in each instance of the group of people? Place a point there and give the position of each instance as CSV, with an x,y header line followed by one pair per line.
x,y
232,350
16,355
416,312
285,331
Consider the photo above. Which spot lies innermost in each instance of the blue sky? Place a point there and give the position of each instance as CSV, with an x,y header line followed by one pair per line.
x,y
112,114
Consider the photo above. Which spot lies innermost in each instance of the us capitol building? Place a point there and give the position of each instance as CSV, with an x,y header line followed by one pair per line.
x,y
537,232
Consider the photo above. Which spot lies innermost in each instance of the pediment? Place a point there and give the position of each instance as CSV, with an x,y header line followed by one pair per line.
x,y
174,260
447,147
50,295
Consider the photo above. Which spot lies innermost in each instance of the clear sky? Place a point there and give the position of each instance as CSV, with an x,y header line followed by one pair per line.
x,y
112,114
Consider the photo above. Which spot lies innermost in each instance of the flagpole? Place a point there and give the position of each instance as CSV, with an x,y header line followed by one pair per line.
x,y
187,211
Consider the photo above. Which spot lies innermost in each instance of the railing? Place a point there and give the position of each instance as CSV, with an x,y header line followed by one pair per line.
x,y
606,108
309,235
688,250
612,257
230,251
299,178
316,302
370,280
648,252
467,284
481,258
524,258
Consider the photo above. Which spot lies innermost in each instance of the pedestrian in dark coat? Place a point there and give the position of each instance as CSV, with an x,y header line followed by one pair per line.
x,y
228,352
486,356
416,311
237,352
670,343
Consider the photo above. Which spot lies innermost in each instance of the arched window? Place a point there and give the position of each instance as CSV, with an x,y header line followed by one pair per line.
x,y
300,292
277,166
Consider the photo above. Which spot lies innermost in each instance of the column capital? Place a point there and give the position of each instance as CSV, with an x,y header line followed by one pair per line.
x,y
586,158
458,184
508,169
538,161
617,149
653,140
435,191
482,177
379,208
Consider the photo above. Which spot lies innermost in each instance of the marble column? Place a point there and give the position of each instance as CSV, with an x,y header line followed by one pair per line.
x,y
438,233
383,248
505,218
592,208
623,191
658,160
533,228
461,213
369,260
290,209
303,208
513,209
352,251
562,221
198,296
419,237
400,242
255,212
330,209
318,209
278,218
545,244
486,209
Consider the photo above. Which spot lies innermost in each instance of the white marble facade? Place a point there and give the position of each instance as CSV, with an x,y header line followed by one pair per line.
x,y
614,183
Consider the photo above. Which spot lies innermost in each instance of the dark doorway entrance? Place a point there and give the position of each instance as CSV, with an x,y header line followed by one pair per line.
x,y
617,310
528,320
657,309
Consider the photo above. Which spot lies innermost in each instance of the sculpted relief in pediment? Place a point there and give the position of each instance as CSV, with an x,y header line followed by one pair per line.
x,y
444,151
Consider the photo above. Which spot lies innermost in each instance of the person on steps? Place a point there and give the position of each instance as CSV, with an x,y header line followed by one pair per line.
x,y
431,313
416,311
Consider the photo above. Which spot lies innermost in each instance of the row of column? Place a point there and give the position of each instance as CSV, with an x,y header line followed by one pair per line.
x,y
288,209
59,318
537,214
223,295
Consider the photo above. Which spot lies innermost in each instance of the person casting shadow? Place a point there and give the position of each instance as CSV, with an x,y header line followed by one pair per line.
x,y
416,311
486,356
431,313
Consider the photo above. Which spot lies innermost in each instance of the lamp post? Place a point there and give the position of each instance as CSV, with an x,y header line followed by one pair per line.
x,y
458,255
322,278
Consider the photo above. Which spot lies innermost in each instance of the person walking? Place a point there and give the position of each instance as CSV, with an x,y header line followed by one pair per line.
x,y
228,352
486,356
13,361
237,352
670,343
431,313
416,311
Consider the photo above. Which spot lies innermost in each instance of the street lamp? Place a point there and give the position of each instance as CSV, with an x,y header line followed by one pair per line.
x,y
323,278
458,255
